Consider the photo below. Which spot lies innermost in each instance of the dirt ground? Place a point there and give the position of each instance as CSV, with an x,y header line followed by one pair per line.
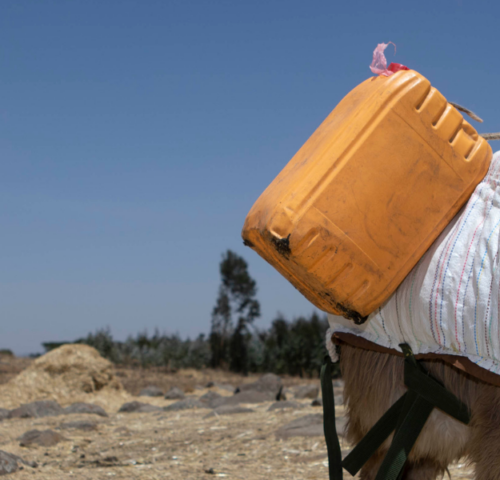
x,y
180,445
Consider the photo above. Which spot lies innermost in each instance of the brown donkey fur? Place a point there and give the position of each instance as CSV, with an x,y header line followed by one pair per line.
x,y
374,381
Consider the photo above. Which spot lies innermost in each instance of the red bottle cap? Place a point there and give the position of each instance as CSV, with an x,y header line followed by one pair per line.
x,y
396,67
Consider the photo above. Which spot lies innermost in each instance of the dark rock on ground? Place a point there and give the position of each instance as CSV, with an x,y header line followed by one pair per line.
x,y
317,402
309,426
42,408
285,404
44,438
82,407
151,391
138,407
185,404
210,398
9,463
175,394
228,410
269,384
4,413
243,397
79,425
222,386
306,391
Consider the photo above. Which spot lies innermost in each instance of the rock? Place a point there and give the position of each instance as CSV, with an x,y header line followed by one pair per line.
x,y
222,386
228,410
269,384
285,404
44,438
9,463
4,413
79,425
175,394
42,408
242,397
82,407
185,404
151,391
317,402
210,398
309,426
306,391
339,399
138,407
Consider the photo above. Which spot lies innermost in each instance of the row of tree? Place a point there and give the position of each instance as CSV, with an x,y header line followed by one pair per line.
x,y
287,347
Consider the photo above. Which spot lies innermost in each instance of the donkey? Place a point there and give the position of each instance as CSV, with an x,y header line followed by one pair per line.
x,y
374,381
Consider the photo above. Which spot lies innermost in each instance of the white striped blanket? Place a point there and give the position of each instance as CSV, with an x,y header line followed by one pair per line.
x,y
450,302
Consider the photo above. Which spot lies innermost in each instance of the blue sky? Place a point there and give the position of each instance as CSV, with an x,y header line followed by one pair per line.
x,y
136,135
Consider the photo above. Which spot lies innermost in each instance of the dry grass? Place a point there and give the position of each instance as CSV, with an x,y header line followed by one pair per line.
x,y
10,366
189,380
175,445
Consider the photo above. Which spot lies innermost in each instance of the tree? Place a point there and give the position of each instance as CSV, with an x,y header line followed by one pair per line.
x,y
236,297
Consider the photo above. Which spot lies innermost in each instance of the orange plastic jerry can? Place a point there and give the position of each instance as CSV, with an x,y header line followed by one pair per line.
x,y
364,198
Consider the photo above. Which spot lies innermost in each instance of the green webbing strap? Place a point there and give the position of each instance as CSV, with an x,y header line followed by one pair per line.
x,y
407,417
418,380
332,441
369,444
411,424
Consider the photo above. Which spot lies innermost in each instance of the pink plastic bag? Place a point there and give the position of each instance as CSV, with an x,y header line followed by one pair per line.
x,y
379,62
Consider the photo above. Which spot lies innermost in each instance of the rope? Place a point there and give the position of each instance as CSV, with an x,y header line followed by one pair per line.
x,y
486,136
467,111
490,136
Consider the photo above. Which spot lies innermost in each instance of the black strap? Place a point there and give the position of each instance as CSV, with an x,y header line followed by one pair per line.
x,y
332,440
406,417
369,444
415,413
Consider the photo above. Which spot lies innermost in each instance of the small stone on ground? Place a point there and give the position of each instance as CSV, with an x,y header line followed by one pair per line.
x,y
243,397
151,391
185,404
175,394
228,410
210,398
44,438
9,463
138,407
42,408
306,391
82,407
309,426
284,405
269,384
79,425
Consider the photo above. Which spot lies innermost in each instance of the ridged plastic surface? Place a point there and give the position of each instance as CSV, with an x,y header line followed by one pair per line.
x,y
362,200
